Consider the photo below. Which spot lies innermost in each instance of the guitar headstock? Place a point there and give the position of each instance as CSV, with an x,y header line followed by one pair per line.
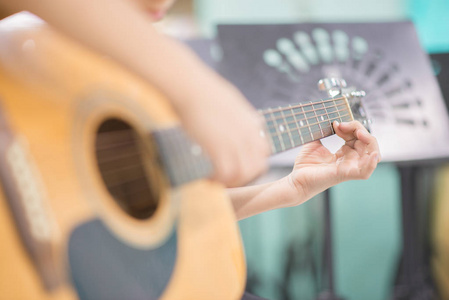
x,y
336,87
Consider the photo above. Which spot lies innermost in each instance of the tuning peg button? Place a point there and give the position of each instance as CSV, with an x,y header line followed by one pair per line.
x,y
330,83
333,86
367,121
357,94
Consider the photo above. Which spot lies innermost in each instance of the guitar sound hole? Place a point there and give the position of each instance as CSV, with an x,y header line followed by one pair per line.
x,y
123,161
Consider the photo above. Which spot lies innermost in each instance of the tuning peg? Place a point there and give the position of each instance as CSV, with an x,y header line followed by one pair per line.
x,y
367,122
357,94
328,83
332,86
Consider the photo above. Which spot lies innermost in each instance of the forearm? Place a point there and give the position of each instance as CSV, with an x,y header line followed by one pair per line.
x,y
212,111
252,200
120,30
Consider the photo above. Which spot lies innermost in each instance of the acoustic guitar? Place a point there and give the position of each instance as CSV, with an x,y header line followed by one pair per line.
x,y
439,237
103,196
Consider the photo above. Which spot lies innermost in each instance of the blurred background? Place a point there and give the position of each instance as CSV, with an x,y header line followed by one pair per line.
x,y
284,248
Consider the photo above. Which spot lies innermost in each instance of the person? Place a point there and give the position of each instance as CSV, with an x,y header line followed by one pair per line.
x,y
315,170
213,112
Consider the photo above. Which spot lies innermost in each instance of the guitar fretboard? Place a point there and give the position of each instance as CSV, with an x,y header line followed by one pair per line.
x,y
287,127
295,125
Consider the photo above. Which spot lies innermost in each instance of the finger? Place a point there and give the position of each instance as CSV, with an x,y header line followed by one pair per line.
x,y
253,169
347,153
369,141
348,130
368,167
263,146
244,165
353,131
254,161
225,166
373,146
311,147
314,152
361,148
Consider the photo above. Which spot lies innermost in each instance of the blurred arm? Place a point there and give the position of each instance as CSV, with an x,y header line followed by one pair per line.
x,y
124,32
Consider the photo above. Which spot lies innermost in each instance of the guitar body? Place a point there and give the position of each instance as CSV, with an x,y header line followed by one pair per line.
x,y
69,227
440,238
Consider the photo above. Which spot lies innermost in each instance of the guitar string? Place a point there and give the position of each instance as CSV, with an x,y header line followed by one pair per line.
x,y
131,184
128,154
142,184
264,111
130,170
297,141
128,166
125,144
113,137
270,118
307,120
298,128
273,120
309,103
290,110
128,179
124,181
304,112
287,129
117,133
107,135
302,134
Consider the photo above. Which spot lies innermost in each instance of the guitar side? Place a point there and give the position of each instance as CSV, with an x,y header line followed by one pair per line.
x,y
54,95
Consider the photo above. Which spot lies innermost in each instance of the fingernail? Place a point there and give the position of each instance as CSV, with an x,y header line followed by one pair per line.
x,y
336,123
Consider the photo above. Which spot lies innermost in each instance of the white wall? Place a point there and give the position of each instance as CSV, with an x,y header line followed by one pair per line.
x,y
210,12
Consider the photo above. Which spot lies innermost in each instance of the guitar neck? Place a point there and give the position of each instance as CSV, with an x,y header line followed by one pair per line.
x,y
295,125
287,127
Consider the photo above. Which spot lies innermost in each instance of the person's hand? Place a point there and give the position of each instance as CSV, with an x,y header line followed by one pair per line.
x,y
229,130
317,169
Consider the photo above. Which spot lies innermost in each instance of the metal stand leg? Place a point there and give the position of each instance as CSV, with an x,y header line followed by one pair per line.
x,y
412,279
328,263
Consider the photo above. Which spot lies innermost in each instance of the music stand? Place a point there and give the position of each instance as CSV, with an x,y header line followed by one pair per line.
x,y
279,64
276,64
328,292
413,280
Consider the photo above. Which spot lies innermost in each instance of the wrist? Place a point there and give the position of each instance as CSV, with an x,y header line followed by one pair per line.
x,y
291,193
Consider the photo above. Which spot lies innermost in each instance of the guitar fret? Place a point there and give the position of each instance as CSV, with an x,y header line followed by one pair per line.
x,y
319,123
338,112
298,124
323,120
297,127
182,159
287,127
292,144
329,106
307,122
346,106
328,130
281,143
